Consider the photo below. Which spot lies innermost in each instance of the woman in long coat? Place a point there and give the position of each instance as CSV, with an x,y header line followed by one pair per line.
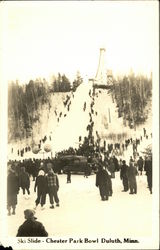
x,y
102,181
12,191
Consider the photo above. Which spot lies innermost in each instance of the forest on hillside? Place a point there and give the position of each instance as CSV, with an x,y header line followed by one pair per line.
x,y
131,94
24,102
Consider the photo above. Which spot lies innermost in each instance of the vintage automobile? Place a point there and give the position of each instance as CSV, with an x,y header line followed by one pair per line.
x,y
74,163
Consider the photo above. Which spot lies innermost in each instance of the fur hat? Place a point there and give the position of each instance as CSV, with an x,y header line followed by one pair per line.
x,y
29,214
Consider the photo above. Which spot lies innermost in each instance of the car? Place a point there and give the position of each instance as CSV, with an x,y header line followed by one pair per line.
x,y
74,163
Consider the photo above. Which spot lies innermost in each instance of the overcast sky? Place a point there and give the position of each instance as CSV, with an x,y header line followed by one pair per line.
x,y
43,38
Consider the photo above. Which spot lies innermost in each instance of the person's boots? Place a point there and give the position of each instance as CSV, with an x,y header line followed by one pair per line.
x,y
52,206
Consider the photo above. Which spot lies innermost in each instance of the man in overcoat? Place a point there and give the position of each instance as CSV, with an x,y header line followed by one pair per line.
x,y
131,174
102,182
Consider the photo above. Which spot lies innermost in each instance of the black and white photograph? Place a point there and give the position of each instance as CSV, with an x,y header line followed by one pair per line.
x,y
79,106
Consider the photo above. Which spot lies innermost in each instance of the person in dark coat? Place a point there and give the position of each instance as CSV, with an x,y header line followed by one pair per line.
x,y
12,191
68,176
149,173
111,167
53,187
140,164
31,227
102,181
115,161
131,174
123,176
41,185
24,181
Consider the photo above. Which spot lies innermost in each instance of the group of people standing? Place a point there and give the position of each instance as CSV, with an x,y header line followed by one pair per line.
x,y
128,173
45,183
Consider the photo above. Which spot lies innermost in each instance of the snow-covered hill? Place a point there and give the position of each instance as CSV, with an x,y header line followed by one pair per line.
x,y
63,124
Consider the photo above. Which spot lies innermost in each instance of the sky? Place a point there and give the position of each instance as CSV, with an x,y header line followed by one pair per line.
x,y
40,39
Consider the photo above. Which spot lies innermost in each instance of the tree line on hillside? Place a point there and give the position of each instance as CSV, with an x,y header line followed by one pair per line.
x,y
132,94
62,83
24,102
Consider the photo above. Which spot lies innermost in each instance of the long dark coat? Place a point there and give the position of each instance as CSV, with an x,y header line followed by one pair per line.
x,y
32,228
131,174
123,176
140,164
149,173
103,182
12,189
24,180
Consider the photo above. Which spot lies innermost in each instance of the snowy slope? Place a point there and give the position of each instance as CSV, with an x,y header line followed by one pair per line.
x,y
73,122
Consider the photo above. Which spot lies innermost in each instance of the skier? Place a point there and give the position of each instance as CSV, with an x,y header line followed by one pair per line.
x,y
31,227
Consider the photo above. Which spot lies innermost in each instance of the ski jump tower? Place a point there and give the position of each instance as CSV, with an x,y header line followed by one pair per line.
x,y
101,76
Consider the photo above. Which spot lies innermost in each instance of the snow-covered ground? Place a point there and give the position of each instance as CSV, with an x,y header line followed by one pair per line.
x,y
82,212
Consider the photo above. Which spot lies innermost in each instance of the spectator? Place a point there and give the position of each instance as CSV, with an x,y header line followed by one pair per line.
x,y
53,187
102,181
41,185
12,191
131,174
24,181
31,227
123,176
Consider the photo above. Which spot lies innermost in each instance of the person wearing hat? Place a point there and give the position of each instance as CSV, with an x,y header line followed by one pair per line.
x,y
12,191
53,186
123,176
41,185
31,227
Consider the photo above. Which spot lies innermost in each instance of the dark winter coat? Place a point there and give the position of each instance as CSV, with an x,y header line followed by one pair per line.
x,y
140,164
24,180
103,182
131,174
41,183
12,189
123,176
32,228
123,172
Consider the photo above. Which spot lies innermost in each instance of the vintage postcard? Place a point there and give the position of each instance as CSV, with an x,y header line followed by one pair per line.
x,y
79,125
